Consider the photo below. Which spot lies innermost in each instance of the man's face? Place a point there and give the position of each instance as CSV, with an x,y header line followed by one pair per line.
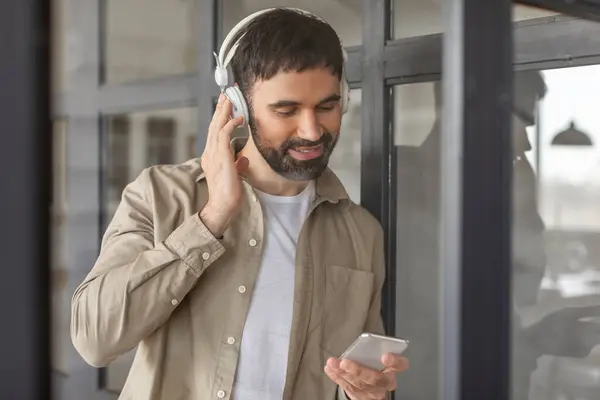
x,y
295,121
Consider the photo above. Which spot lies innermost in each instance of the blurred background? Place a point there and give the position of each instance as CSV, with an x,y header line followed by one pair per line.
x,y
132,86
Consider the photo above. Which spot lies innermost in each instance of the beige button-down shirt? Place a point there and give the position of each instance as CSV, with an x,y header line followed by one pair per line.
x,y
164,282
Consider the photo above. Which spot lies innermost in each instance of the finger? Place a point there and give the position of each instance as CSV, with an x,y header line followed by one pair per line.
x,y
212,130
394,362
220,101
226,131
363,388
333,363
222,115
357,373
352,391
377,389
242,164
218,107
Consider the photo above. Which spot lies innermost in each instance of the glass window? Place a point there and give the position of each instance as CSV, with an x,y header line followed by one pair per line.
x,y
136,141
146,138
345,160
418,316
61,297
118,155
344,16
161,135
424,17
149,39
556,234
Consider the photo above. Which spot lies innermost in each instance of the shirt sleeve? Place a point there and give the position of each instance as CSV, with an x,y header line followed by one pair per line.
x,y
135,285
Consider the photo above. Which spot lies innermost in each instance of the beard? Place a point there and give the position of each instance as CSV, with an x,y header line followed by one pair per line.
x,y
281,161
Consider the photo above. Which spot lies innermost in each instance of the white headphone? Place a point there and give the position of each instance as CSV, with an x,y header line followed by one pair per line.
x,y
240,108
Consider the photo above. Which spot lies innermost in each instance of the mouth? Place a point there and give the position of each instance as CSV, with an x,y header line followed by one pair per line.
x,y
306,153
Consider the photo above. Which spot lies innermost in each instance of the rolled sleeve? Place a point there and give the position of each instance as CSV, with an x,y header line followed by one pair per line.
x,y
194,244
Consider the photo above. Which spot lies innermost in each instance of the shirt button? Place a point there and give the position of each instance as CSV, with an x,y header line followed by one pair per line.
x,y
221,394
242,289
205,256
174,302
252,242
230,340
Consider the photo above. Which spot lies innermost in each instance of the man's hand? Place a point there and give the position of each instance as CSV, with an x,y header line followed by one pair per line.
x,y
222,170
566,332
361,383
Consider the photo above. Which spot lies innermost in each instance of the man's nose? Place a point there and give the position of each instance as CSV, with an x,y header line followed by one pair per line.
x,y
309,127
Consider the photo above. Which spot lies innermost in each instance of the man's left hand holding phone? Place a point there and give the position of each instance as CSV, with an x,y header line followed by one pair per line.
x,y
362,383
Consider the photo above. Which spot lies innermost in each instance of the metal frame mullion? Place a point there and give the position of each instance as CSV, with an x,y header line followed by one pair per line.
x,y
25,162
548,42
377,155
476,193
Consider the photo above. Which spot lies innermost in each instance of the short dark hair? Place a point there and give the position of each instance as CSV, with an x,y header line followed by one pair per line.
x,y
284,40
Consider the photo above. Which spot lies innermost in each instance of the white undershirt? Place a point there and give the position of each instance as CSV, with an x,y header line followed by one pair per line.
x,y
263,358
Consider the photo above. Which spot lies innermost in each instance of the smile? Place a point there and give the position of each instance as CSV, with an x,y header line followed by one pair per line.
x,y
306,153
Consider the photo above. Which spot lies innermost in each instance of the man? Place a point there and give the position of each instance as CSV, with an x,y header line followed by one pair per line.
x,y
419,312
561,333
244,275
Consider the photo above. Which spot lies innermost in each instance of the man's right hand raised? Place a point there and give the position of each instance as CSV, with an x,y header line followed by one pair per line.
x,y
221,170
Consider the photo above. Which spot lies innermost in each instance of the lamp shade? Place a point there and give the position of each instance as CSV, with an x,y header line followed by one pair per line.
x,y
572,137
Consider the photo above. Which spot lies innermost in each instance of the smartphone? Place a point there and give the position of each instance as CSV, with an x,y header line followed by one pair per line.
x,y
368,349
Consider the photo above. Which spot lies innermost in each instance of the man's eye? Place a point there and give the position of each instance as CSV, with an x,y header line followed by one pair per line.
x,y
326,107
285,113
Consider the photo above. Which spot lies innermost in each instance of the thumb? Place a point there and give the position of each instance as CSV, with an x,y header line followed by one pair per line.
x,y
242,164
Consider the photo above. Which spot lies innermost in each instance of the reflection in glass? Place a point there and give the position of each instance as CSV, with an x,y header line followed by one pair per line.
x,y
149,39
556,237
572,136
424,17
344,16
61,298
136,141
555,231
416,137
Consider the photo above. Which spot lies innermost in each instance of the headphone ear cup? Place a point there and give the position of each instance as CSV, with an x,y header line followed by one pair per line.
x,y
240,108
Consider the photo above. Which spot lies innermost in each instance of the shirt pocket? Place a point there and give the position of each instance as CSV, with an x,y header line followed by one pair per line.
x,y
347,300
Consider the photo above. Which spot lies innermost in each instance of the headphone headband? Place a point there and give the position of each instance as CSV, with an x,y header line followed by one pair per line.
x,y
227,51
224,59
